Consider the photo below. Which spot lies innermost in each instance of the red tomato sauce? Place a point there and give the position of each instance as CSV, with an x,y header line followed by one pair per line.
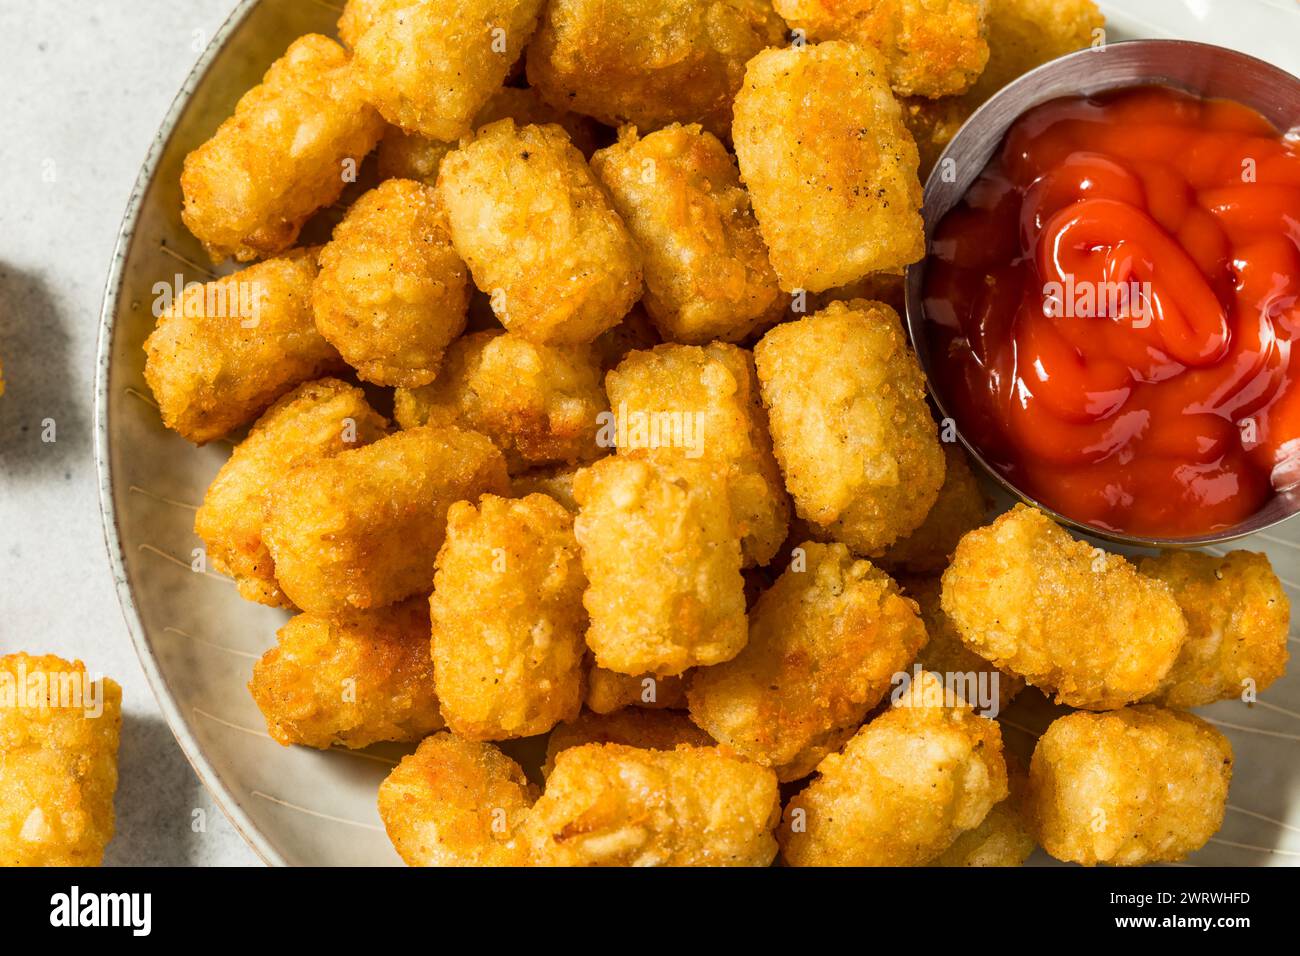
x,y
1111,307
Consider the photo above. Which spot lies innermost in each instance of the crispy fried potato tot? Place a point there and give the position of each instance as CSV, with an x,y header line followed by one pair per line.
x,y
662,558
960,507
392,293
846,401
315,420
609,691
645,729
634,334
1023,34
712,392
350,680
612,805
904,789
362,529
1069,618
282,156
1003,839
933,124
456,803
228,349
830,167
1238,617
706,269
360,15
403,155
508,620
58,762
1133,786
825,642
539,233
650,62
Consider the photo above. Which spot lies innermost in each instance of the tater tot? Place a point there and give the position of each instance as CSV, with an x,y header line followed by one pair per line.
x,y
830,167
825,643
1023,34
555,482
403,155
711,392
456,802
539,233
351,679
1238,618
360,15
609,691
904,789
1071,619
1003,839
58,762
933,124
650,62
226,350
284,154
846,402
362,529
662,558
1133,786
960,507
613,805
316,420
508,620
431,65
646,729
392,293
634,334
707,274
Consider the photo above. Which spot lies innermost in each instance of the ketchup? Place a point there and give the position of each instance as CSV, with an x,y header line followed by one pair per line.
x,y
1111,306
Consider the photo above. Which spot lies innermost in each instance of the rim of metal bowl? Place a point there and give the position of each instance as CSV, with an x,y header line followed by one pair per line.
x,y
991,121
180,728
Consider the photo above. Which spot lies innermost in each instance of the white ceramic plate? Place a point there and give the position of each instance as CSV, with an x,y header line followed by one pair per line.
x,y
196,638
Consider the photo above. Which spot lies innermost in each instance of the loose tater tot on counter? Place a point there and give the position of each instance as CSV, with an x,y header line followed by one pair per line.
x,y
391,294
825,643
646,729
539,233
431,65
456,802
686,402
904,789
508,620
650,62
830,167
609,691
846,401
707,274
1071,619
613,805
284,154
225,351
961,507
1003,839
58,762
362,529
316,420
1238,618
351,679
662,558
1128,787
555,482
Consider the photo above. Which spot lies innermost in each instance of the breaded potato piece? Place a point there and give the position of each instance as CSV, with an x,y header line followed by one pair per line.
x,y
351,679
613,805
556,482
362,529
650,62
707,274
609,691
431,65
961,507
904,789
283,155
830,167
58,762
228,349
646,729
845,399
316,420
1003,839
1023,34
711,392
456,802
931,47
1132,786
662,558
360,15
1071,619
392,293
508,621
933,124
634,334
403,155
1238,617
539,233
886,287
825,642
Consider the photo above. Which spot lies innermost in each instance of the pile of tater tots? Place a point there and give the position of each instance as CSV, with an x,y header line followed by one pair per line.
x,y
657,476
